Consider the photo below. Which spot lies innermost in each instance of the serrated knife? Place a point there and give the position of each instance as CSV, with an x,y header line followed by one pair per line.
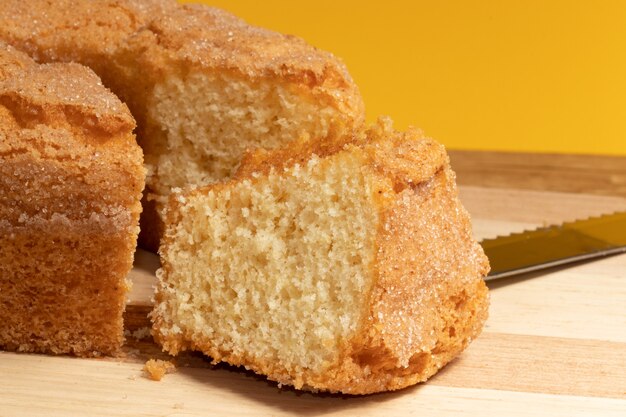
x,y
546,247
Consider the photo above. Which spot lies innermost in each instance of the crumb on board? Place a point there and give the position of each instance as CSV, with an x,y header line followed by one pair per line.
x,y
157,368
138,334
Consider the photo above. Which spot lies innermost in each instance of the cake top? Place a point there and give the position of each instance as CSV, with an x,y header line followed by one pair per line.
x,y
57,95
407,158
216,38
65,30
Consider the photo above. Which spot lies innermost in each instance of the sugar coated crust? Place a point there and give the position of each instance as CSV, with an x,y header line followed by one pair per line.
x,y
191,34
71,178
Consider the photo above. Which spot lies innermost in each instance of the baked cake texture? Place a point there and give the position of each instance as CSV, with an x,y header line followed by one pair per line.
x,y
202,84
71,179
347,269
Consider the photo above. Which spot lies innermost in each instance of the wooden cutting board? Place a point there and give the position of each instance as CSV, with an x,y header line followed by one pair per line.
x,y
555,344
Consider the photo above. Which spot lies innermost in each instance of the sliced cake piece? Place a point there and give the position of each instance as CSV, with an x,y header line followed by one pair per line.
x,y
71,177
350,270
203,85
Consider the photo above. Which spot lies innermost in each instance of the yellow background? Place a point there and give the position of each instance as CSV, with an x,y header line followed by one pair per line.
x,y
540,75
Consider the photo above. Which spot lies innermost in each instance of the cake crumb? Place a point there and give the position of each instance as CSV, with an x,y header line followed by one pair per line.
x,y
157,368
139,334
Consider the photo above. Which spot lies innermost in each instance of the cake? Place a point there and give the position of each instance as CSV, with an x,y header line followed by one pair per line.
x,y
71,180
348,267
203,85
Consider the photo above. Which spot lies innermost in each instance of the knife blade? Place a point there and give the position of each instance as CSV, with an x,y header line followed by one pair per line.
x,y
561,244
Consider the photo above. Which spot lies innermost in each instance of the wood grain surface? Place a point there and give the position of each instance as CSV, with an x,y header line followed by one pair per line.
x,y
588,174
555,344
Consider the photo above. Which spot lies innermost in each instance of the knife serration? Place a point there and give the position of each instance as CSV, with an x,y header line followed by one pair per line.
x,y
546,247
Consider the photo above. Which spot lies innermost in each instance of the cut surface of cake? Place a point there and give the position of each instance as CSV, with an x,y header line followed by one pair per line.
x,y
202,84
71,179
349,269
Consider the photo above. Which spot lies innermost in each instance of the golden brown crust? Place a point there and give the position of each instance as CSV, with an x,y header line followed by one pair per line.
x,y
79,98
224,41
261,161
64,95
429,300
191,34
71,175
70,30
392,153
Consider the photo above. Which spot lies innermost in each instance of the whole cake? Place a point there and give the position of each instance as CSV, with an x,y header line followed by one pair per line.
x,y
203,85
71,178
348,267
